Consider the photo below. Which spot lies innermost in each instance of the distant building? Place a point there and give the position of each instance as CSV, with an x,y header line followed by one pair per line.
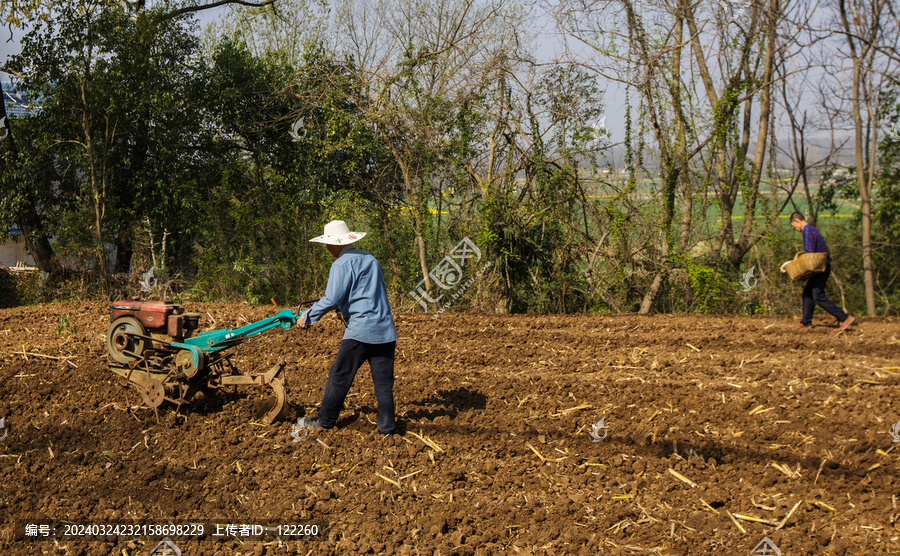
x,y
15,101
12,251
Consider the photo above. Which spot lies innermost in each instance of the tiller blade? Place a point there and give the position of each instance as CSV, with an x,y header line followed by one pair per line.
x,y
273,408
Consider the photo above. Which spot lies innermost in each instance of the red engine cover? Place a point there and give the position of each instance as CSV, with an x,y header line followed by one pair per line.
x,y
152,314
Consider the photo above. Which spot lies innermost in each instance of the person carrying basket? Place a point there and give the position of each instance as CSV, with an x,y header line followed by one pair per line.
x,y
814,291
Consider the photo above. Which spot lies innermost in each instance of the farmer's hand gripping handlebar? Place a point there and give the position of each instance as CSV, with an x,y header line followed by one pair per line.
x,y
310,302
302,303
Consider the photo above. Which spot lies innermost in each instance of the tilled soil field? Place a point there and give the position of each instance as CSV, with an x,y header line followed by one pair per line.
x,y
719,432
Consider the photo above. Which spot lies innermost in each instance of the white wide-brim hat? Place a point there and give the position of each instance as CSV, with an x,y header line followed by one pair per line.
x,y
338,233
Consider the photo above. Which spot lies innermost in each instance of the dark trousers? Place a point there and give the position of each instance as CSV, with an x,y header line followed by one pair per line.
x,y
350,357
814,293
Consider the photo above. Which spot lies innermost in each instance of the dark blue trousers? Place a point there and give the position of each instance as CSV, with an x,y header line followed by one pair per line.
x,y
814,293
350,357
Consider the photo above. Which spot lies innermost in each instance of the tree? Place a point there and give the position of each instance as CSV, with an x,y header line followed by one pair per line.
x,y
797,73
543,222
19,201
422,63
14,12
705,83
290,28
886,208
111,92
869,29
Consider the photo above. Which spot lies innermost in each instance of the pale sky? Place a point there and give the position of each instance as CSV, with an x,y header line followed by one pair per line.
x,y
8,45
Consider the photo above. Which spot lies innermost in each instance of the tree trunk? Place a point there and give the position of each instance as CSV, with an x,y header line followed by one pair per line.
x,y
868,274
418,225
868,265
862,168
420,242
35,238
393,260
97,197
650,296
124,250
749,236
865,166
647,303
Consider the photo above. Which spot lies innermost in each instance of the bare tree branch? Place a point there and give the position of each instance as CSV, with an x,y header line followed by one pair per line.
x,y
189,9
11,72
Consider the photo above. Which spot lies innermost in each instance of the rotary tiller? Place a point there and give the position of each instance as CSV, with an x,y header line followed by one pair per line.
x,y
155,346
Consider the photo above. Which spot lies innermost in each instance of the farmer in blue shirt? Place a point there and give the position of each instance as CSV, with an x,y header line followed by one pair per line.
x,y
356,288
814,292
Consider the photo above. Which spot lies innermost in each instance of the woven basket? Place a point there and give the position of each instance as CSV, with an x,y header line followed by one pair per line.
x,y
805,265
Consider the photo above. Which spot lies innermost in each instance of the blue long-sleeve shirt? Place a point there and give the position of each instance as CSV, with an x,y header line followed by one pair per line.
x,y
813,242
356,287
